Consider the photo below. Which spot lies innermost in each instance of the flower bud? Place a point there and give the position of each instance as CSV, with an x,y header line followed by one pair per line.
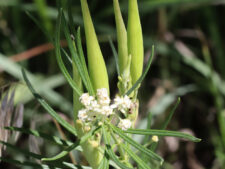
x,y
135,41
121,37
96,63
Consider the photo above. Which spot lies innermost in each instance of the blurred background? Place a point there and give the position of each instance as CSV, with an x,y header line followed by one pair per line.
x,y
189,63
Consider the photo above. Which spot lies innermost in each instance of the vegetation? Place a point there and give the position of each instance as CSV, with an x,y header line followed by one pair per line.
x,y
104,91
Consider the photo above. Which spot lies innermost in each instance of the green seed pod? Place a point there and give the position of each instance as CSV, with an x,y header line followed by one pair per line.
x,y
135,41
121,37
96,63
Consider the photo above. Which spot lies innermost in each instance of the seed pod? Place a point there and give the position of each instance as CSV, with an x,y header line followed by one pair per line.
x,y
96,63
135,40
121,37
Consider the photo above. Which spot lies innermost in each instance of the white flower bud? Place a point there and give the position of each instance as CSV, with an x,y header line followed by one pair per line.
x,y
82,114
124,124
106,110
103,97
122,103
85,99
155,139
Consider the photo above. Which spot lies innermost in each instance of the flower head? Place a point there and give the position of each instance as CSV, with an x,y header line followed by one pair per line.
x,y
124,124
82,115
122,103
103,97
107,110
86,99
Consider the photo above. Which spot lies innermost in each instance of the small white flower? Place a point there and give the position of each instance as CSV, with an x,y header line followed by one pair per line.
x,y
122,103
82,114
127,102
124,124
103,97
93,105
86,99
106,110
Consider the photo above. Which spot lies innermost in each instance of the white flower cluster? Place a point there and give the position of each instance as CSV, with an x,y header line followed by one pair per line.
x,y
100,106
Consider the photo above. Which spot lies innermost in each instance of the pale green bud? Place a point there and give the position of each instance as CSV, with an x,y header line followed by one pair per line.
x,y
96,63
121,37
135,41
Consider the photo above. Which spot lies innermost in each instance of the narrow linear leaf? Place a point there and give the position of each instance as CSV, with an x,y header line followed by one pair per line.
x,y
163,133
76,57
82,58
25,163
115,55
36,133
136,145
165,124
143,75
72,147
105,162
43,29
63,153
70,17
44,166
80,49
140,162
67,56
59,58
110,151
61,121
22,151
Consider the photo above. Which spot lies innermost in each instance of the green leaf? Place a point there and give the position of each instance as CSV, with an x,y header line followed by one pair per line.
x,y
143,75
140,162
40,25
136,145
109,150
73,146
23,151
67,56
163,133
171,114
43,166
75,56
105,162
25,163
36,133
60,61
63,153
47,107
82,59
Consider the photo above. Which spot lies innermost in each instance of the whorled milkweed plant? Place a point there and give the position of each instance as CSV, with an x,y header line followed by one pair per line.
x,y
103,125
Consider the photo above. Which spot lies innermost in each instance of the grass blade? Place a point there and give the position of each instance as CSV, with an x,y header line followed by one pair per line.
x,y
47,107
143,75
